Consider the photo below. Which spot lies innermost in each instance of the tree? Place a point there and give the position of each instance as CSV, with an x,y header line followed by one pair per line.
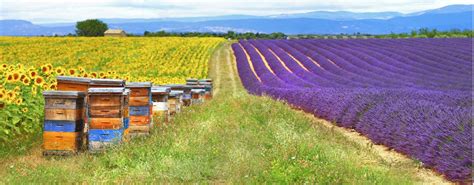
x,y
91,28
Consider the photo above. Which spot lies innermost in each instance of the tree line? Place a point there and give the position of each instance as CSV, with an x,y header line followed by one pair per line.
x,y
95,27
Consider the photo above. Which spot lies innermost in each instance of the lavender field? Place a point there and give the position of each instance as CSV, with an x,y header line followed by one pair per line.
x,y
412,95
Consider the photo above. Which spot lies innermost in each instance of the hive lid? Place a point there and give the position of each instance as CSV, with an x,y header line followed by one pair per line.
x,y
198,90
108,82
113,90
205,83
78,94
205,80
73,79
176,93
191,80
198,87
179,87
138,84
191,83
160,89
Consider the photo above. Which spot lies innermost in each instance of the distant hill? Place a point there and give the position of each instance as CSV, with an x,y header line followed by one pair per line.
x,y
318,22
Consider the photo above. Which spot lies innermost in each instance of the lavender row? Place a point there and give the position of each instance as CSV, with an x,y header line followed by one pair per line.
x,y
388,95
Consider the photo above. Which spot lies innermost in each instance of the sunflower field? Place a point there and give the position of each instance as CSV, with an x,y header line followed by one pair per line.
x,y
29,65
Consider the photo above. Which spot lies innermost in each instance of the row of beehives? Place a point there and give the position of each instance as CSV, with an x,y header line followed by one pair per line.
x,y
95,114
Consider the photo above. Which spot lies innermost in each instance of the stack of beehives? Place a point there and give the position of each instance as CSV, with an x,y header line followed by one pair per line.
x,y
63,125
106,117
99,113
140,108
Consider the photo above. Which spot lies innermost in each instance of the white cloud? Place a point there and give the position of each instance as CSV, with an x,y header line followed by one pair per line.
x,y
73,10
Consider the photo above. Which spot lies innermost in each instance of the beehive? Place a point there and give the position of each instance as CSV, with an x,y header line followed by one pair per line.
x,y
63,122
192,81
69,83
160,103
207,83
106,117
175,101
198,93
186,93
140,106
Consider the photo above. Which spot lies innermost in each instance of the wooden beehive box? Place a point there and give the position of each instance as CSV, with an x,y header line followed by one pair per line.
x,y
106,108
106,112
185,90
174,101
160,103
68,83
63,122
191,81
140,106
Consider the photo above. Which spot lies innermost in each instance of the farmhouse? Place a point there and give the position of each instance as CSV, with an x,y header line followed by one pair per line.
x,y
115,33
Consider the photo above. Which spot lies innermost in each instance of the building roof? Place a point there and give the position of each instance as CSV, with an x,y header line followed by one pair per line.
x,y
111,31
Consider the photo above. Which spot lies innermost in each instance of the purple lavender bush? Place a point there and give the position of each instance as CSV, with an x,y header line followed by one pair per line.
x,y
412,95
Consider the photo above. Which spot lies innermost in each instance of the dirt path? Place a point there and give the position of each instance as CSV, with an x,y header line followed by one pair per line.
x,y
216,66
224,72
231,72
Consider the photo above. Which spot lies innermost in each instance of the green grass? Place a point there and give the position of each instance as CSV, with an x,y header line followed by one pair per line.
x,y
242,139
234,138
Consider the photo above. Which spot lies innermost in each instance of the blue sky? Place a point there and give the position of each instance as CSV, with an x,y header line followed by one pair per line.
x,y
46,11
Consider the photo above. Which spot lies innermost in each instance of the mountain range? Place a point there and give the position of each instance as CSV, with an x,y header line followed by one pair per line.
x,y
316,22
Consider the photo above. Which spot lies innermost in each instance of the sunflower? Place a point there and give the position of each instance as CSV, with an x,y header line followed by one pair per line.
x,y
26,81
19,101
19,66
16,76
10,78
71,72
101,74
22,76
45,69
59,71
39,80
94,74
85,75
4,66
10,95
49,66
53,87
2,95
34,90
33,74
25,109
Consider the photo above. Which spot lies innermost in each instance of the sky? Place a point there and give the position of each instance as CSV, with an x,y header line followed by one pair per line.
x,y
53,11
